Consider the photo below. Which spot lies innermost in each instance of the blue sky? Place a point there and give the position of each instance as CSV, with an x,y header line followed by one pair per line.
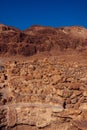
x,y
24,13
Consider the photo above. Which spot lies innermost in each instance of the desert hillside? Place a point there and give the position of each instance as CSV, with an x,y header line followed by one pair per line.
x,y
39,39
43,78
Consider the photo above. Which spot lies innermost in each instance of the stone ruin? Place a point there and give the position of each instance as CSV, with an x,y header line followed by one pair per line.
x,y
43,94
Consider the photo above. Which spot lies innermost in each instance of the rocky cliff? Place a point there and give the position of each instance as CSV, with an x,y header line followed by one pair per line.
x,y
38,39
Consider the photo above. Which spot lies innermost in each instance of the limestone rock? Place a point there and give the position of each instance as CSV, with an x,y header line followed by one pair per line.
x,y
57,108
83,106
85,93
42,123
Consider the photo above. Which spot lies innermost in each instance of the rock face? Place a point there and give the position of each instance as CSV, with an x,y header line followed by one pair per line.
x,y
43,94
46,92
38,39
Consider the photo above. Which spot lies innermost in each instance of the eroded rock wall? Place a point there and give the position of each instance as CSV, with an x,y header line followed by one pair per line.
x,y
39,39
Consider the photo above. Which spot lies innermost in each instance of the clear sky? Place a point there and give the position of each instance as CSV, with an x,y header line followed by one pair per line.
x,y
24,13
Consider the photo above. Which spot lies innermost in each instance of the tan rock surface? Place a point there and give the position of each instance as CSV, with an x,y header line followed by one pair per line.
x,y
48,90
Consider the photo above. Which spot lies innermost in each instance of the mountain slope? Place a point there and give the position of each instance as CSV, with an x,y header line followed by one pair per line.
x,y
38,39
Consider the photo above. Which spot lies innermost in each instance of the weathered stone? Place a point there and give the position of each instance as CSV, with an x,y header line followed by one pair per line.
x,y
74,100
70,113
57,108
70,79
55,79
38,94
81,124
72,127
76,93
84,79
85,93
83,106
37,75
64,93
11,117
42,124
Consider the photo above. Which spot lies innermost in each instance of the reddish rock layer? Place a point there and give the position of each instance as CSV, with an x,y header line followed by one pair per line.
x,y
38,39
